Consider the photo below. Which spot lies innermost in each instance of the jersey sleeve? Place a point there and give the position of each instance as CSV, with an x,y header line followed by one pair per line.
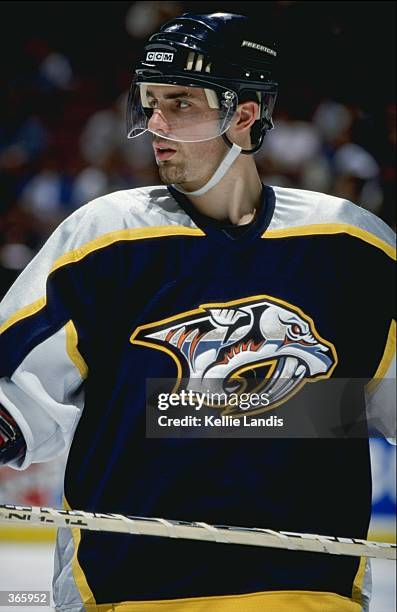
x,y
372,261
380,392
42,372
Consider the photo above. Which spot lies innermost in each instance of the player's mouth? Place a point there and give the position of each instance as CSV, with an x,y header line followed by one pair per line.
x,y
163,152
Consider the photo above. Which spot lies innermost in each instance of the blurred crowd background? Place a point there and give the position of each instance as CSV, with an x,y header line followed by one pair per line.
x,y
66,70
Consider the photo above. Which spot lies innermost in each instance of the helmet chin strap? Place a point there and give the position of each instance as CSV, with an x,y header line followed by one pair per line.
x,y
218,175
223,167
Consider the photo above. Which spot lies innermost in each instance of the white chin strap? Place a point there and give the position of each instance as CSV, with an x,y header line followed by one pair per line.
x,y
218,175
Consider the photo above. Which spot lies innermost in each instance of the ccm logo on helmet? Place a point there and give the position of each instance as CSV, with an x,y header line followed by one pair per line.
x,y
159,56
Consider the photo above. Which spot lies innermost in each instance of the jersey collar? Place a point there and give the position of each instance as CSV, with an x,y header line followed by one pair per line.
x,y
225,230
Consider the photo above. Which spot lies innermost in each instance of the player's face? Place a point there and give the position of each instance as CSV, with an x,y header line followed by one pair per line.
x,y
177,110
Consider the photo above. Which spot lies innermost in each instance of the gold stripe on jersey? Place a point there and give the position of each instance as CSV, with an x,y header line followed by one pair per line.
x,y
72,350
332,228
388,354
80,579
358,582
22,313
140,233
272,601
94,245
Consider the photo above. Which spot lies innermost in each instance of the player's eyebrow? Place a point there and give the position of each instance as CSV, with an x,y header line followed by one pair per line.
x,y
171,95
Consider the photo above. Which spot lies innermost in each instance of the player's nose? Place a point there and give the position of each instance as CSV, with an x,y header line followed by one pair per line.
x,y
158,123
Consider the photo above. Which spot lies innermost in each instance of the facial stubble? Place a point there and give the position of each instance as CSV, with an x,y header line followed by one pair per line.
x,y
195,166
172,173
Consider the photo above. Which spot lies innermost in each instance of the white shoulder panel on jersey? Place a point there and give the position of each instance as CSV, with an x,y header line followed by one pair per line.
x,y
298,208
134,208
121,210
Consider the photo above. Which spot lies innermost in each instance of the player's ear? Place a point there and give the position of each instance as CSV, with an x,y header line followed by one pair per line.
x,y
246,115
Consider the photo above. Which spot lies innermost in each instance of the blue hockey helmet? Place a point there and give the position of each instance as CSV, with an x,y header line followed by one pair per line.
x,y
220,54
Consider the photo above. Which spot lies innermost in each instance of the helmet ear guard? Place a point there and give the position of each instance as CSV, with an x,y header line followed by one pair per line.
x,y
264,122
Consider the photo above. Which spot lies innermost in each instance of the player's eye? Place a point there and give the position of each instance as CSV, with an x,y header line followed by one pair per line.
x,y
182,104
152,102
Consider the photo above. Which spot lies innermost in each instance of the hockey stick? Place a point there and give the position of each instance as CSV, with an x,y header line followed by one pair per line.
x,y
195,531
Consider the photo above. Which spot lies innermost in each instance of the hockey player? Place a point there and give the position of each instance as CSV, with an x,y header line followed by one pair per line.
x,y
208,277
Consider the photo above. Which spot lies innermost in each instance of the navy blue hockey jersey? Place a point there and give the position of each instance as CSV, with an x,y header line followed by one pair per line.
x,y
137,285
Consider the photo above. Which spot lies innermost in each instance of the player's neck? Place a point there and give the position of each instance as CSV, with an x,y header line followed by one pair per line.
x,y
237,195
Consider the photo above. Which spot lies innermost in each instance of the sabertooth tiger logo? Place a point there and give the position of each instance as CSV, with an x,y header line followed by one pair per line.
x,y
256,344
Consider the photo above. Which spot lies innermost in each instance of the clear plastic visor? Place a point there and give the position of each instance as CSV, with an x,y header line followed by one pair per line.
x,y
183,113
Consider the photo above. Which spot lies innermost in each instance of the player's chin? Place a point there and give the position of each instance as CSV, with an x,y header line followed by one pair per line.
x,y
170,173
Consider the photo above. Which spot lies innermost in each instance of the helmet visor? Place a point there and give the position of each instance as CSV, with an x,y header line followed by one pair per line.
x,y
183,113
